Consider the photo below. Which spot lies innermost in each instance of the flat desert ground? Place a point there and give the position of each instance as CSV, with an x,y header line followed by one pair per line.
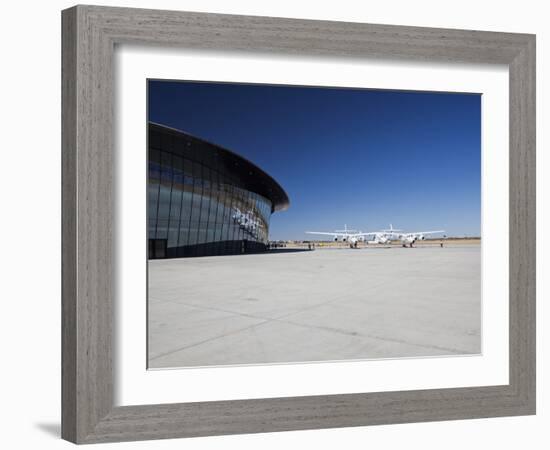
x,y
323,305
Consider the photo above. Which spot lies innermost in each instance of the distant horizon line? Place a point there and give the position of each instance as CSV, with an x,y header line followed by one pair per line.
x,y
426,239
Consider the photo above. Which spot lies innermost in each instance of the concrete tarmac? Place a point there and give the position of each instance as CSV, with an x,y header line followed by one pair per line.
x,y
333,304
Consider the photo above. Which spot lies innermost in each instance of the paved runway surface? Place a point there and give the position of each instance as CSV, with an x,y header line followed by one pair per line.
x,y
322,305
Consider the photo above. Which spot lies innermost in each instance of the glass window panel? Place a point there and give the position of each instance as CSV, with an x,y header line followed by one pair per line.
x,y
175,203
226,213
188,171
220,214
193,233
232,218
173,223
172,236
152,205
196,204
153,192
210,233
214,197
235,214
186,202
154,167
164,195
166,168
248,216
163,212
205,195
242,206
201,236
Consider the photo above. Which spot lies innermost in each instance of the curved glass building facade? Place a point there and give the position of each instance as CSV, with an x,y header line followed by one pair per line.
x,y
205,200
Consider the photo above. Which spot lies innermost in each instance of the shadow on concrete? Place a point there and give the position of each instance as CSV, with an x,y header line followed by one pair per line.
x,y
285,250
53,429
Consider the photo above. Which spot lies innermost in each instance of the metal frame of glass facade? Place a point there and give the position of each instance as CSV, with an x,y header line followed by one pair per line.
x,y
205,200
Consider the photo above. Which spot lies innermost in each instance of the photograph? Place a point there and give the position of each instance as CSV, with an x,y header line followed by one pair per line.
x,y
296,224
275,225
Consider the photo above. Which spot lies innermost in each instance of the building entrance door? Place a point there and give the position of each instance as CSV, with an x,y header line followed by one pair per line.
x,y
157,248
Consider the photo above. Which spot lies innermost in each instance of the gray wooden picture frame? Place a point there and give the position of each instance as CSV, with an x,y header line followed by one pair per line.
x,y
89,37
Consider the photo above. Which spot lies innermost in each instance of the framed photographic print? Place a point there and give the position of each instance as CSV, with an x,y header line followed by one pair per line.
x,y
279,224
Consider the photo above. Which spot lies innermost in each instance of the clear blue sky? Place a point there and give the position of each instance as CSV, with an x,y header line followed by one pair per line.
x,y
359,157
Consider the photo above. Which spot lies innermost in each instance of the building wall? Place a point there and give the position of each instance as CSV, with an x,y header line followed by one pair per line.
x,y
197,207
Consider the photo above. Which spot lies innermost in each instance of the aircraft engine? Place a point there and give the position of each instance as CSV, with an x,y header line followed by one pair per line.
x,y
420,237
344,239
336,239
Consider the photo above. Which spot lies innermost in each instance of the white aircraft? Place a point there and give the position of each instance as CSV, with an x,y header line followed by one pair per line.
x,y
345,235
386,236
380,237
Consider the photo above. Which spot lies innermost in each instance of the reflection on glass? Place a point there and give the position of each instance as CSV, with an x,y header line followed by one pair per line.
x,y
199,210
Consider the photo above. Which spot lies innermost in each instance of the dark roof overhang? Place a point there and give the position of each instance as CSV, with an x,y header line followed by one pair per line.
x,y
244,173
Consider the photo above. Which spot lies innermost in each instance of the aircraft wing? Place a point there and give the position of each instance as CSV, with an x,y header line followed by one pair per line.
x,y
324,233
425,232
